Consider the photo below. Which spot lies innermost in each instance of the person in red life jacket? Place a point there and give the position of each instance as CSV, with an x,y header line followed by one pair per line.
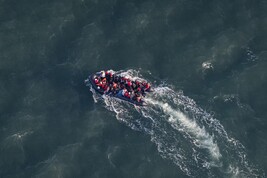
x,y
104,80
106,88
127,94
129,83
146,86
137,83
137,97
137,89
99,84
129,86
96,81
104,83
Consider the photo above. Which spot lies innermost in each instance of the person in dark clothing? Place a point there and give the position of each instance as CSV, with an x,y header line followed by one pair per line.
x,y
108,77
134,86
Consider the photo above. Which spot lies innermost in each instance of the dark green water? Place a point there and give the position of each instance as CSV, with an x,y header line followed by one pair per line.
x,y
207,120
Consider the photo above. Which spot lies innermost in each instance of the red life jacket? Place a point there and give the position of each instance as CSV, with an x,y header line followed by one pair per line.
x,y
105,87
147,86
126,94
96,81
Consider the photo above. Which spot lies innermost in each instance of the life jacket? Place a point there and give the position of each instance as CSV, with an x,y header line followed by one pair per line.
x,y
147,86
129,83
96,81
106,87
114,86
126,94
100,84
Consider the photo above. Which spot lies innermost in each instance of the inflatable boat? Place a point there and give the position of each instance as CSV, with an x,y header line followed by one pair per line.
x,y
132,91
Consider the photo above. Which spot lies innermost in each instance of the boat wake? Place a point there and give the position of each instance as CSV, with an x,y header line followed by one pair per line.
x,y
184,133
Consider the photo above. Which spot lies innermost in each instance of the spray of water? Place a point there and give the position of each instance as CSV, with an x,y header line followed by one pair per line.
x,y
183,132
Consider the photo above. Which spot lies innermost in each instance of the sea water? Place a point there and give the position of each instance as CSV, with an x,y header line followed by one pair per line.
x,y
205,59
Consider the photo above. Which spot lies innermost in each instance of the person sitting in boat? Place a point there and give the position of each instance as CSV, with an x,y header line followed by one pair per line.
x,y
129,86
137,83
101,74
137,97
114,88
146,86
96,80
122,82
106,88
134,86
116,79
99,84
125,93
109,76
104,80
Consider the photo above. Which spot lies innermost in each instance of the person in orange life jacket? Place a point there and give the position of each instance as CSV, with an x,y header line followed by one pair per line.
x,y
114,87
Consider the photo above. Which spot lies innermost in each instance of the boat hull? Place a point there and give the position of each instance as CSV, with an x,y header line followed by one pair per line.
x,y
118,95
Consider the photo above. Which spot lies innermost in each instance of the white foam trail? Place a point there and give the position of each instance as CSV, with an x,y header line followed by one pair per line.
x,y
181,122
183,131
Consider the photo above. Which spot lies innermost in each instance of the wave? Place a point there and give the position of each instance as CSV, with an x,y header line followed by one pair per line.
x,y
183,132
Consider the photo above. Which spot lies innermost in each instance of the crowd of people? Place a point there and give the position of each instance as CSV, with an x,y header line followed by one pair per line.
x,y
123,86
